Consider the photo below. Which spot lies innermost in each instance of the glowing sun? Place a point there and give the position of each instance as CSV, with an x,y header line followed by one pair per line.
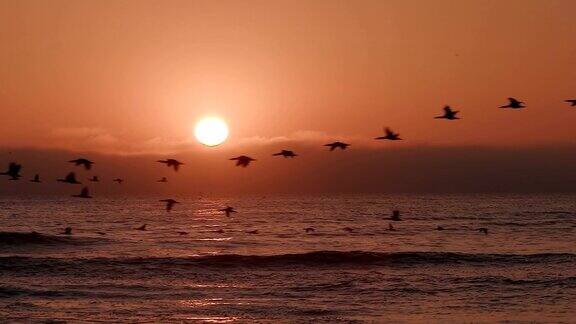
x,y
211,131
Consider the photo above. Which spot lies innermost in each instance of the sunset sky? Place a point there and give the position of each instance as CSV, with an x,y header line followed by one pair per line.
x,y
133,77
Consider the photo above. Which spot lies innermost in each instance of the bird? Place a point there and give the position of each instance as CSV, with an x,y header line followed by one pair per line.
x,y
182,233
243,160
70,178
171,163
67,231
390,135
118,180
94,179
85,162
309,229
219,231
101,233
572,102
164,179
228,210
36,179
169,203
440,228
336,145
84,193
285,154
13,171
448,114
252,232
395,216
514,104
483,230
348,229
390,227
141,228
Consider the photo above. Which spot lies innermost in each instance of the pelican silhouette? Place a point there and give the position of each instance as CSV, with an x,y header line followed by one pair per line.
x,y
84,193
13,171
310,229
86,163
448,114
164,179
67,231
572,102
336,145
285,154
390,135
169,203
243,160
395,216
514,104
36,179
94,179
483,230
141,228
171,163
70,178
228,210
118,180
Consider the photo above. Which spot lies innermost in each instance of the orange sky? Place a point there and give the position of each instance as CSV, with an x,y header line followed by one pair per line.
x,y
134,76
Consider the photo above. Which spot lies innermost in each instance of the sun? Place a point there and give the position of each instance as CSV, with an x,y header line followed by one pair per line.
x,y
211,131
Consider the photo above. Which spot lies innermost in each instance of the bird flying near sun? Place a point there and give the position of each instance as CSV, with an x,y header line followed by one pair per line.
x,y
211,131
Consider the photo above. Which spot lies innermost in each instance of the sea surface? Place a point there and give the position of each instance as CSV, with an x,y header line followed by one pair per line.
x,y
524,270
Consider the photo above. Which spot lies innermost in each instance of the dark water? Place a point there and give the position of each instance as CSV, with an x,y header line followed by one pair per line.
x,y
523,270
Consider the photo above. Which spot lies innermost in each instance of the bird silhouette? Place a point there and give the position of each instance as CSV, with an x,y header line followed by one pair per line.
x,y
70,178
164,179
171,163
310,229
514,104
440,228
448,114
182,233
483,230
13,171
169,203
219,231
336,145
348,229
395,216
94,179
36,179
67,231
141,228
243,160
390,135
228,210
285,154
572,102
86,163
84,193
118,180
252,232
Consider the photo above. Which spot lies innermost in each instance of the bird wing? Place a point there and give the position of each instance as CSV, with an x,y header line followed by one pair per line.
x,y
388,131
448,110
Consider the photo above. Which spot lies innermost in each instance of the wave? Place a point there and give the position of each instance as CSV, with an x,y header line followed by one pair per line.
x,y
35,238
310,259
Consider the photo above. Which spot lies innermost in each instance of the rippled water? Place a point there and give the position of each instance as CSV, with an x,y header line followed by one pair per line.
x,y
524,269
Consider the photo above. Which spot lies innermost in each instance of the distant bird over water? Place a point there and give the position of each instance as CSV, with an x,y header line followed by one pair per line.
x,y
310,229
572,102
336,145
390,135
84,162
348,229
228,210
483,230
36,179
514,104
70,178
390,227
13,171
169,203
118,180
83,194
440,228
243,160
448,114
252,232
67,231
395,216
141,228
164,179
94,179
172,163
285,153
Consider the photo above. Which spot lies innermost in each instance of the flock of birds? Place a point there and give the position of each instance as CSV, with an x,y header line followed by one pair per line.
x,y
14,168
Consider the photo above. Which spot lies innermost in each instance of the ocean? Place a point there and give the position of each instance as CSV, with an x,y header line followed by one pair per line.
x,y
220,271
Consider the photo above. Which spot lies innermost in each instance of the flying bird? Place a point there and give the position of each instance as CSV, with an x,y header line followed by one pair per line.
x,y
336,145
67,231
448,114
483,230
164,179
36,179
70,178
118,180
141,228
310,229
86,163
252,232
285,154
243,160
228,210
169,203
94,179
348,229
514,104
572,102
182,233
171,163
13,171
440,228
84,193
390,135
